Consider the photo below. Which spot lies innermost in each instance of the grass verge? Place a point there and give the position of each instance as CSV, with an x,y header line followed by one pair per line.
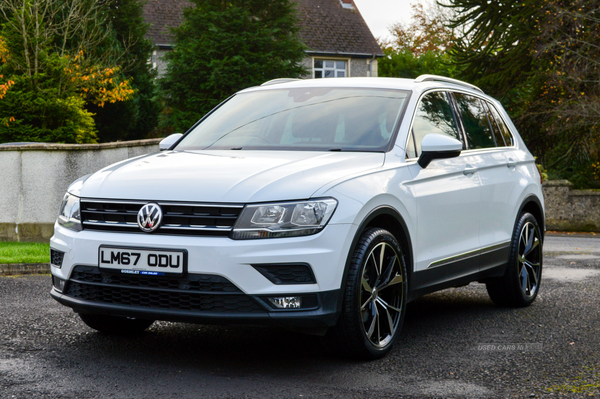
x,y
24,252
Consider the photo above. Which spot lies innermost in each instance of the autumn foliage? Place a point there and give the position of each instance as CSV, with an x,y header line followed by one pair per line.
x,y
419,46
96,84
57,58
4,85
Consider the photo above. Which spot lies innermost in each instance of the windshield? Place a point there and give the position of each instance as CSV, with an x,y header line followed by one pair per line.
x,y
326,119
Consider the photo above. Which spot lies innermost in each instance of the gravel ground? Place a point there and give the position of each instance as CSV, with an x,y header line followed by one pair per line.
x,y
454,344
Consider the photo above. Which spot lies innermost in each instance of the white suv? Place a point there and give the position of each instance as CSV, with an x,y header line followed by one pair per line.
x,y
319,205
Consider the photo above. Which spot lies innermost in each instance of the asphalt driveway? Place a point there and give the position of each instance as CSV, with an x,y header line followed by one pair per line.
x,y
455,343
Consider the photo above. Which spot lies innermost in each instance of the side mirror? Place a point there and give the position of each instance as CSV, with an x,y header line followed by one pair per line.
x,y
168,141
438,146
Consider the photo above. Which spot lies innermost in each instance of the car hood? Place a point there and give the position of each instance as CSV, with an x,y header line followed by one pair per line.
x,y
225,176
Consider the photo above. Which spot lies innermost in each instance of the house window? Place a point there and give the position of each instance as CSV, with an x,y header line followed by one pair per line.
x,y
330,69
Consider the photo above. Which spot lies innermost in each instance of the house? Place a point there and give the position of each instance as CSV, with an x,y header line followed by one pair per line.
x,y
339,41
162,15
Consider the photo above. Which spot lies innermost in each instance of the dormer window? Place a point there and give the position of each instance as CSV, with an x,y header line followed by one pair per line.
x,y
347,4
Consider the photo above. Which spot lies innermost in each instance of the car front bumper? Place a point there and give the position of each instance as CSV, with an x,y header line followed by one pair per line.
x,y
220,285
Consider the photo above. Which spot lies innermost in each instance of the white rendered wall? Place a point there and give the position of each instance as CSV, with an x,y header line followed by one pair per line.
x,y
34,178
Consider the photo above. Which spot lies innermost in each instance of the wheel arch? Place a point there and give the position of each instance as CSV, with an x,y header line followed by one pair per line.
x,y
387,218
533,205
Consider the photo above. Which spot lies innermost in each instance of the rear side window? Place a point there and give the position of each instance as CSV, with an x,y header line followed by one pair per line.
x,y
498,138
476,123
504,131
433,115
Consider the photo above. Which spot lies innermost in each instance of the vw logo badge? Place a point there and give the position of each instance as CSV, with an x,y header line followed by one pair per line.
x,y
149,217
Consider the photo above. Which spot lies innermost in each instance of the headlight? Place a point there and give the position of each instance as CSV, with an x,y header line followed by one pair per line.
x,y
289,219
70,216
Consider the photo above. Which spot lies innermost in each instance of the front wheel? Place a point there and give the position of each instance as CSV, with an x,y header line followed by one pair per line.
x,y
374,298
115,324
521,282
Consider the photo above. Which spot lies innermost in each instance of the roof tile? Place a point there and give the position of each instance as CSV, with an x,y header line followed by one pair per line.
x,y
162,15
327,27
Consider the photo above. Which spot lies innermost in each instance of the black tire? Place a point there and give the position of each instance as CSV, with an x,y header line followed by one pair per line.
x,y
521,282
374,301
114,324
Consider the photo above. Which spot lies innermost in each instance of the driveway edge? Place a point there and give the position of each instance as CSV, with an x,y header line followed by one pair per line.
x,y
15,269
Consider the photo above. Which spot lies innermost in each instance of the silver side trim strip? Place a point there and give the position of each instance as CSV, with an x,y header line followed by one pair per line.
x,y
470,254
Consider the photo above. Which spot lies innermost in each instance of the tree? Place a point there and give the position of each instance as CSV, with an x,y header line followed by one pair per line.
x,y
135,118
541,60
419,47
4,87
59,56
222,47
495,47
403,63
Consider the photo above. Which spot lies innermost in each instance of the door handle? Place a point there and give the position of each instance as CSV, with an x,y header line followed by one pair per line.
x,y
511,163
469,170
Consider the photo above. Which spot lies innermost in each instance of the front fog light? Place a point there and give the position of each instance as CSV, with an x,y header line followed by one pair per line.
x,y
287,302
59,284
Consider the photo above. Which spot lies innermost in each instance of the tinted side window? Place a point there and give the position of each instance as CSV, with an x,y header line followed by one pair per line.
x,y
495,128
434,115
508,139
475,121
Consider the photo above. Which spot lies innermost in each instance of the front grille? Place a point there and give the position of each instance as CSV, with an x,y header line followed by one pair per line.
x,y
194,292
178,218
192,282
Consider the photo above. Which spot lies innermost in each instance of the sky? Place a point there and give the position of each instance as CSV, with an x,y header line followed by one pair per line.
x,y
380,14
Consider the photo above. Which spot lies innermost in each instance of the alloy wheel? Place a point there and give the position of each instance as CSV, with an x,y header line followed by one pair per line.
x,y
529,256
381,295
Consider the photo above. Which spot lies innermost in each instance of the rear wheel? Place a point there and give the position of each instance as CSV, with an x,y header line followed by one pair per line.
x,y
115,324
374,299
521,282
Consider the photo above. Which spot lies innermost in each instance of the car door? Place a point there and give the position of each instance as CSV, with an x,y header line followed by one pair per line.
x,y
448,197
492,148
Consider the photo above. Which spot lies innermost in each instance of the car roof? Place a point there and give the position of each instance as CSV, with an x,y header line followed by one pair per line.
x,y
421,84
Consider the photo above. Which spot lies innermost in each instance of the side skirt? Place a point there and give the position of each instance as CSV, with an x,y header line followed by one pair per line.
x,y
460,270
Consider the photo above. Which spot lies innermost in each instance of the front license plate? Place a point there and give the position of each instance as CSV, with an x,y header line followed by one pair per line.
x,y
142,261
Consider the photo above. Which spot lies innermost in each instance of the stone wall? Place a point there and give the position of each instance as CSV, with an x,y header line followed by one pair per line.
x,y
359,67
571,210
159,62
34,178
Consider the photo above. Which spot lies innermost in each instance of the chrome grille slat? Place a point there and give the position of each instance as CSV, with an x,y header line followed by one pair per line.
x,y
99,223
178,218
96,212
199,228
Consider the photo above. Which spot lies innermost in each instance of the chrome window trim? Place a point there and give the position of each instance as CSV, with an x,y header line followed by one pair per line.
x,y
453,90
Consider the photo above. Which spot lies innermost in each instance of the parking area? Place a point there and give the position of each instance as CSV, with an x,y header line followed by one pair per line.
x,y
454,343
